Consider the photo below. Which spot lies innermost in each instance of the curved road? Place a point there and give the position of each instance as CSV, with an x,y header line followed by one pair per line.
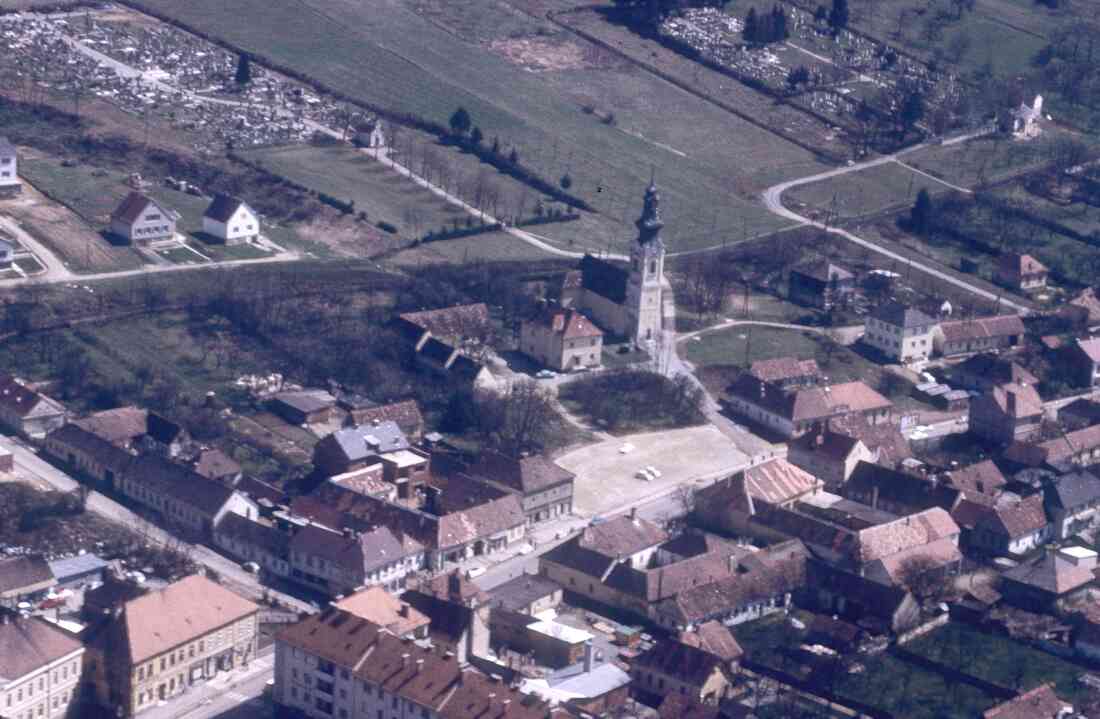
x,y
773,200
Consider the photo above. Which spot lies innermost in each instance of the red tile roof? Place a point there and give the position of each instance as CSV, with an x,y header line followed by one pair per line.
x,y
1039,703
784,368
982,328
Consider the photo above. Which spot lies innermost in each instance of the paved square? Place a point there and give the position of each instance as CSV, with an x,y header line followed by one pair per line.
x,y
605,476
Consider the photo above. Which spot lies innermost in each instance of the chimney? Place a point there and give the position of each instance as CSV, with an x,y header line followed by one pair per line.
x,y
405,660
588,653
403,611
1010,402
820,439
634,514
419,665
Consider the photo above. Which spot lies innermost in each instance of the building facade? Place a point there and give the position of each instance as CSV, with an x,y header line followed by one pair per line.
x,y
40,669
9,169
141,219
230,220
159,645
562,339
645,286
903,334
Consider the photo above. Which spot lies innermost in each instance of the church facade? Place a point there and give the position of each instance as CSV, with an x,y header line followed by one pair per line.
x,y
630,301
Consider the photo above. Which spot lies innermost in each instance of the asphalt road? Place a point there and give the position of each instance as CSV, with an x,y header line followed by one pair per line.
x,y
30,466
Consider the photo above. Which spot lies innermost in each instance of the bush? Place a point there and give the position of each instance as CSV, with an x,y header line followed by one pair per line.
x,y
387,227
636,399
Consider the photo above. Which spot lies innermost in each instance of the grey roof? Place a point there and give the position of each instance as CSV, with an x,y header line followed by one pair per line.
x,y
1073,490
75,566
369,439
604,278
899,315
517,593
307,400
223,207
601,680
6,148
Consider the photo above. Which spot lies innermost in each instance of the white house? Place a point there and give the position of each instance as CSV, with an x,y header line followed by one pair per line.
x,y
40,668
9,169
230,220
1025,120
903,334
141,219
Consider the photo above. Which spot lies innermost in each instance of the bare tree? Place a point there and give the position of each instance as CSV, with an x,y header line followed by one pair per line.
x,y
924,577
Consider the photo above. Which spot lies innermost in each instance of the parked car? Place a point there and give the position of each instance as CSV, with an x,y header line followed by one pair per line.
x,y
546,374
643,475
653,471
474,572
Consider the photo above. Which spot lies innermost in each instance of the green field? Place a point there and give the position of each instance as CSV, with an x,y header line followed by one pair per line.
x,y
1005,33
991,158
461,250
865,192
706,165
999,660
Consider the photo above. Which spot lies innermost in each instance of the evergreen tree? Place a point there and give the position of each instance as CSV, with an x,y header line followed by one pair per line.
x,y
566,182
838,17
751,31
460,121
912,110
920,216
244,70
476,137
779,24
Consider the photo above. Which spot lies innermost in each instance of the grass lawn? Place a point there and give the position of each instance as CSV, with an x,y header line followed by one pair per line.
x,y
181,256
706,167
999,660
993,157
28,265
861,193
218,252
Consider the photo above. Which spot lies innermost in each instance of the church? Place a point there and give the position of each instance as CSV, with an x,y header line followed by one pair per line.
x,y
631,302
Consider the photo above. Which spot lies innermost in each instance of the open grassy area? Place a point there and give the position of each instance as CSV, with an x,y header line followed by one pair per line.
x,y
991,158
706,167
999,660
490,246
349,174
861,193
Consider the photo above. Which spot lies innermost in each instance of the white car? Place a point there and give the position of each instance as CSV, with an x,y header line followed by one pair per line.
x,y
474,572
525,549
644,475
653,471
545,374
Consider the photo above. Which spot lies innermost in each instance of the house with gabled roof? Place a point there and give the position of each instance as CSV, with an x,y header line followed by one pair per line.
x,y
1039,703
354,448
673,667
792,413
562,339
24,577
1020,272
1011,526
979,334
336,563
230,221
1006,414
1072,502
822,284
1082,359
828,455
787,372
731,503
26,411
546,489
1040,585
983,372
139,219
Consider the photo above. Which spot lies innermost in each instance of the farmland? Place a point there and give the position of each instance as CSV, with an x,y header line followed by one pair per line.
x,y
707,168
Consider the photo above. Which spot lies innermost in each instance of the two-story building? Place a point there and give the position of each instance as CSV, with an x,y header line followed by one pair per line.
x,y
545,489
1020,272
230,221
1006,414
1009,527
339,562
793,412
139,219
9,169
336,664
829,455
159,645
1072,502
1082,360
902,334
821,284
562,339
673,667
40,668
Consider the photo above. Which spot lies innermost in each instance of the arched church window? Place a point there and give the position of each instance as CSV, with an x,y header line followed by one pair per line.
x,y
653,267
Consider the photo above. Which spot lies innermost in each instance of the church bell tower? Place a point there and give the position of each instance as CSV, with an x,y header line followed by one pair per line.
x,y
645,292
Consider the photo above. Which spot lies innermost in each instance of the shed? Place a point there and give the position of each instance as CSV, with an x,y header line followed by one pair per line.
x,y
77,571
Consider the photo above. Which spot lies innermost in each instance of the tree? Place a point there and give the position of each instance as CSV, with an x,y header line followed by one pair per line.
x,y
798,76
476,137
838,16
751,30
921,214
924,577
244,70
779,31
513,157
460,121
566,181
912,110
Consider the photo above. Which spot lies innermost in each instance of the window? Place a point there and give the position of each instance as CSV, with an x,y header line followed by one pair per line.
x,y
153,216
